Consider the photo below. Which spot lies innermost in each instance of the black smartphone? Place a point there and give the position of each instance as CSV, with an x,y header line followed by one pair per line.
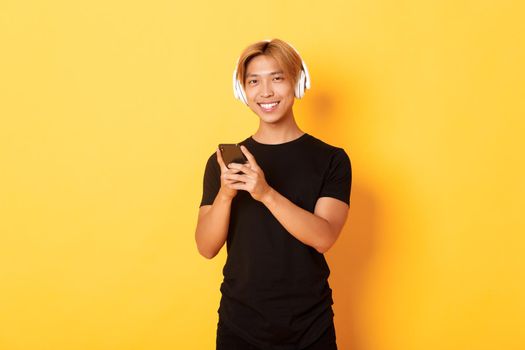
x,y
232,153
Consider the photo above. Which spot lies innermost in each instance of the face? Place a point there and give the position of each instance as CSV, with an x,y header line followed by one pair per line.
x,y
266,84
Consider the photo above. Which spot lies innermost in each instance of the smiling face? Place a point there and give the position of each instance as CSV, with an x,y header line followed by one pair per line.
x,y
269,91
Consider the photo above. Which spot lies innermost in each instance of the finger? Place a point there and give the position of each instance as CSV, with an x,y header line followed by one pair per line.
x,y
237,186
235,177
233,168
244,164
245,168
233,171
247,164
220,161
251,158
229,182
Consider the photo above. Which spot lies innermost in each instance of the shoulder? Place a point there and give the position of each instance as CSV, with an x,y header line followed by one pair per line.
x,y
327,148
212,164
212,158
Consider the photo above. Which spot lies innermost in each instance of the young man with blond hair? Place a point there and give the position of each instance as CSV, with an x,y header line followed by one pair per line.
x,y
278,214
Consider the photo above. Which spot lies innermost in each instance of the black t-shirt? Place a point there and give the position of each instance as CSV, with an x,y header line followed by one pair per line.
x,y
275,292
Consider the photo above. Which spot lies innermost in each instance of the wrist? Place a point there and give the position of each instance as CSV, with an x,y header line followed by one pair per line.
x,y
223,197
269,197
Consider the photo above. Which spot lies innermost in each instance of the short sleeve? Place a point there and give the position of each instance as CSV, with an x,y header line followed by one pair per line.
x,y
337,181
211,181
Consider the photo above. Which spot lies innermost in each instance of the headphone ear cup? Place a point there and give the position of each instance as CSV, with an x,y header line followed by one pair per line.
x,y
241,94
235,89
238,91
299,87
303,83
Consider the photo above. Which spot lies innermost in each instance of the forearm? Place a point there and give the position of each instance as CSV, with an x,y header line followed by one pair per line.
x,y
307,227
212,227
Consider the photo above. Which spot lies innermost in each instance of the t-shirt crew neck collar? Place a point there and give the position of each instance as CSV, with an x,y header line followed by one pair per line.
x,y
298,139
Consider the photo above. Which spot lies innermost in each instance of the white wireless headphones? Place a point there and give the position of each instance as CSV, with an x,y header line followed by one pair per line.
x,y
301,85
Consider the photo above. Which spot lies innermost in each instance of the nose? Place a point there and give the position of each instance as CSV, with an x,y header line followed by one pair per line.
x,y
266,89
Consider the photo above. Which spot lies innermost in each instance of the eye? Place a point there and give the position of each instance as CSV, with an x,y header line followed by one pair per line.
x,y
250,81
279,78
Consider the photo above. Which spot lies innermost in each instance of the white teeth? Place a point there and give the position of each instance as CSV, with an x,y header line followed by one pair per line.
x,y
269,105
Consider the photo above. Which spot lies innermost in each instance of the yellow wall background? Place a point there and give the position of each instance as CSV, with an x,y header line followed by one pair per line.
x,y
110,109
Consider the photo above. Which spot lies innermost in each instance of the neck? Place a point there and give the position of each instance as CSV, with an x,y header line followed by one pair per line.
x,y
277,133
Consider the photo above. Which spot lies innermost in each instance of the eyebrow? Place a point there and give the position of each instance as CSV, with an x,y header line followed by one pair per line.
x,y
256,75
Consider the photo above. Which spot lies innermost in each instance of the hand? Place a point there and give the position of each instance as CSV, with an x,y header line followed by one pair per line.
x,y
252,180
227,191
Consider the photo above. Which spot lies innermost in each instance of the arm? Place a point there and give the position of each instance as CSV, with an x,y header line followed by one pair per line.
x,y
319,229
212,226
214,219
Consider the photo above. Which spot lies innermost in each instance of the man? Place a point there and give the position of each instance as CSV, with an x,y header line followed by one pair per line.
x,y
278,213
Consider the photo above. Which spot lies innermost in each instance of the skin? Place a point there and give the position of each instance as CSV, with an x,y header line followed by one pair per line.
x,y
320,229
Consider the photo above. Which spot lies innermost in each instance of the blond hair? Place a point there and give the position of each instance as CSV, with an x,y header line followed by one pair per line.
x,y
285,55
